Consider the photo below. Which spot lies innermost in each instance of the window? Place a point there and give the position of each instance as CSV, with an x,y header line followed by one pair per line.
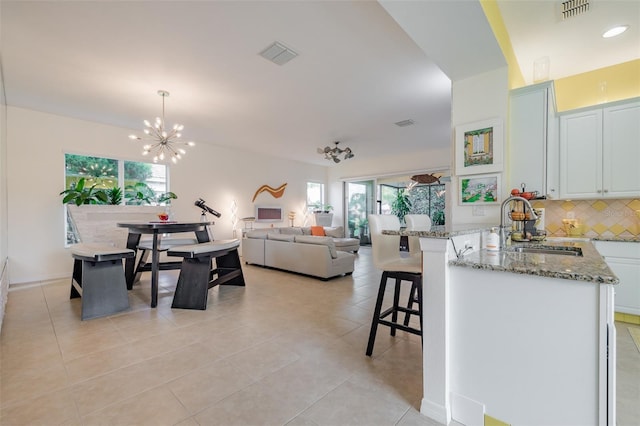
x,y
424,199
114,182
315,195
139,183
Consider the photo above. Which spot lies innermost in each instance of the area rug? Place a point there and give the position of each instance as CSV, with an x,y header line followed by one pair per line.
x,y
635,335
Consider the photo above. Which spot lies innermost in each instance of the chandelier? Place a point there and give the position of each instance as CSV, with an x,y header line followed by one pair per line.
x,y
335,152
165,143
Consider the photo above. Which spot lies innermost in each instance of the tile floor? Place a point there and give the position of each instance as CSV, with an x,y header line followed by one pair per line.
x,y
285,350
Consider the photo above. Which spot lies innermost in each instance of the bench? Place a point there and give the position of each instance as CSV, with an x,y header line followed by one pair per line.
x,y
98,277
197,275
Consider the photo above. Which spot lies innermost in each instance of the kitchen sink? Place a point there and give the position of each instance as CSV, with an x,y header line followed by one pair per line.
x,y
562,251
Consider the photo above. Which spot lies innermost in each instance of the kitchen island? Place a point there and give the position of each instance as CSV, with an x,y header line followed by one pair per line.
x,y
526,338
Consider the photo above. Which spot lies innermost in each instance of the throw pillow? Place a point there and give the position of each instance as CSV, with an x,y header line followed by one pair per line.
x,y
291,231
337,232
317,231
306,230
280,237
256,234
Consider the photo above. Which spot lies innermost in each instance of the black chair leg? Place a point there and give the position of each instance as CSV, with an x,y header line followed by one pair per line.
x,y
396,303
376,314
413,298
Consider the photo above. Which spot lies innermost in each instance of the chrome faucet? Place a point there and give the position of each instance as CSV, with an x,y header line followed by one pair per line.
x,y
503,232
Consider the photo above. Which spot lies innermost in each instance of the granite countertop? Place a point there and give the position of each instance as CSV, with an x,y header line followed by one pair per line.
x,y
634,239
588,267
442,231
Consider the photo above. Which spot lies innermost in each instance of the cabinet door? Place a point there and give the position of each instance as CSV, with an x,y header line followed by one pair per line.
x,y
581,155
527,139
621,151
624,260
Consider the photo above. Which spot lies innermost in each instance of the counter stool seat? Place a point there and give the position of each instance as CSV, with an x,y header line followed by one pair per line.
x,y
387,257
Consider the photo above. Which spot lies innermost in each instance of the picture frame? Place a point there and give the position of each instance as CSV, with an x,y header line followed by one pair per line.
x,y
479,147
479,189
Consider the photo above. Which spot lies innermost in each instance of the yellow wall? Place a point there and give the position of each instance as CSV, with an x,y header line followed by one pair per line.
x,y
618,82
614,83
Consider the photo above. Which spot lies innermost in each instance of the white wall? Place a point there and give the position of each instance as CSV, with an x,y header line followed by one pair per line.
x,y
477,98
36,143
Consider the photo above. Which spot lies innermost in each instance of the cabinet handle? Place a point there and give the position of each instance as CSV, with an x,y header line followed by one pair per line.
x,y
552,190
606,190
598,191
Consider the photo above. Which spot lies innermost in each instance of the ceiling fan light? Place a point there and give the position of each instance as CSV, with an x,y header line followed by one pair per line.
x,y
615,31
190,143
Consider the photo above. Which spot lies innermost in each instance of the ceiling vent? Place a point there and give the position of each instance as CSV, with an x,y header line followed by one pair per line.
x,y
278,53
405,123
571,8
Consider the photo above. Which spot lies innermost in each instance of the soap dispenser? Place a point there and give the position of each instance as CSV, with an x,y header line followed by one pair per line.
x,y
493,240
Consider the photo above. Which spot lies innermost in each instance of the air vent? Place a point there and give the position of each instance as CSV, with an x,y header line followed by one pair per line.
x,y
573,8
278,53
405,123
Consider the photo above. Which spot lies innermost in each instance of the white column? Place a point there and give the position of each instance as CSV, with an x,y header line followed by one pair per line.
x,y
435,329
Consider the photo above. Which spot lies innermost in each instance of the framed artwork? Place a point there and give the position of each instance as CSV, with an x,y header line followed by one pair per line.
x,y
479,189
479,147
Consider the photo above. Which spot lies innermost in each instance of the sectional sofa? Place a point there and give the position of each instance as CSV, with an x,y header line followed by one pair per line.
x,y
293,249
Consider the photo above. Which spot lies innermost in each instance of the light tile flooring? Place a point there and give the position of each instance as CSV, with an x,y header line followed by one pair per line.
x,y
284,350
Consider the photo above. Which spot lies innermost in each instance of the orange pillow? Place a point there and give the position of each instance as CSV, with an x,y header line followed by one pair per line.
x,y
318,231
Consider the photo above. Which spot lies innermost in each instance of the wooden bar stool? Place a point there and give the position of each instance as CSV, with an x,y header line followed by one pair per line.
x,y
386,257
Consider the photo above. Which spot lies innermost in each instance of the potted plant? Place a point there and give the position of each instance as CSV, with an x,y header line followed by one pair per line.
x,y
401,206
323,215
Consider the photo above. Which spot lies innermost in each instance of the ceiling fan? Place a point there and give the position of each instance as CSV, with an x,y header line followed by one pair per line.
x,y
335,152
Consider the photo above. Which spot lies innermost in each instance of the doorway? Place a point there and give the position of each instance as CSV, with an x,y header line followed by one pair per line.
x,y
360,202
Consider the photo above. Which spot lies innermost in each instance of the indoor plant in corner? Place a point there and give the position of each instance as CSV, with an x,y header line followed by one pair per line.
x,y
401,206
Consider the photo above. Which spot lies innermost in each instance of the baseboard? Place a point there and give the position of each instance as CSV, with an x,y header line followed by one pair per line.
x,y
435,411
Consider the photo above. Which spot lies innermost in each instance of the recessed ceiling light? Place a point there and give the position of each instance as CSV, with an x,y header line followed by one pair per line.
x,y
615,31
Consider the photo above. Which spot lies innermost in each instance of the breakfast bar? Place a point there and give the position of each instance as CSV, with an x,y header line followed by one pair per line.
x,y
547,306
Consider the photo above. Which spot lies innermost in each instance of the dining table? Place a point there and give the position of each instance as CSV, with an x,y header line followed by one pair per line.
x,y
157,229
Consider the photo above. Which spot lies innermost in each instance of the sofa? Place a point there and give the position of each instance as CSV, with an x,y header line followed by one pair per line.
x,y
304,254
336,233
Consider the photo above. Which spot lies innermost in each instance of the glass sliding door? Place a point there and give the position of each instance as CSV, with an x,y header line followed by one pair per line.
x,y
360,201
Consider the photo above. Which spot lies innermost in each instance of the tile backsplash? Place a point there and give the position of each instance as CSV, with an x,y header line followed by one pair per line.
x,y
596,218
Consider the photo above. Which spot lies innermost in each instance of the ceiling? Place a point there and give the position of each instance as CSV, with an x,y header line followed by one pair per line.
x,y
362,65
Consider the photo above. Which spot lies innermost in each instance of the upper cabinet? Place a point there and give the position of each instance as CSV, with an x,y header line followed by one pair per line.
x,y
600,152
533,141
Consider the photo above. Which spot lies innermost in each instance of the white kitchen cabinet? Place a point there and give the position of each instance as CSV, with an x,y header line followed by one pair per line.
x,y
600,153
533,139
624,260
